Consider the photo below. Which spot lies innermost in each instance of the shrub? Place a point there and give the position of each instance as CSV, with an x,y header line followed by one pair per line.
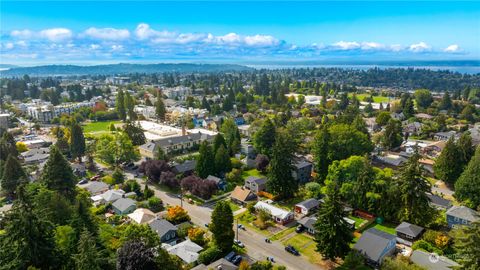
x,y
108,179
209,255
148,193
183,229
155,204
131,185
177,214
197,235
424,245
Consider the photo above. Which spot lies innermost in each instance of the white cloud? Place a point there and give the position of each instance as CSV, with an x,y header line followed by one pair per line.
x,y
56,34
452,48
107,33
420,47
346,45
21,33
261,40
94,46
372,46
22,43
8,45
117,47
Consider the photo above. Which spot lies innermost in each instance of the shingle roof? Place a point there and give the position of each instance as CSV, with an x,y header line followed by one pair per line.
x,y
464,213
240,193
373,242
112,195
123,204
256,179
426,260
409,229
183,139
437,200
309,204
95,186
273,210
186,250
214,178
148,146
302,164
308,222
162,226
188,165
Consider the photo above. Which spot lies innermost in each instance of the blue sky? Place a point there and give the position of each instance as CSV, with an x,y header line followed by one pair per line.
x,y
89,32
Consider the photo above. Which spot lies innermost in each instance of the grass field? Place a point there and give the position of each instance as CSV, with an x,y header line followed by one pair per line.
x,y
358,221
376,99
388,228
306,246
252,172
98,127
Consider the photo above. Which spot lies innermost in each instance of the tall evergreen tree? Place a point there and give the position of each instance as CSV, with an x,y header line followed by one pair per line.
x,y
467,245
446,102
87,257
120,105
27,240
206,161
467,187
57,174
160,110
415,205
135,133
448,165
13,175
280,180
264,138
63,146
466,148
129,106
7,146
222,161
222,226
218,141
332,233
392,136
77,142
320,152
232,136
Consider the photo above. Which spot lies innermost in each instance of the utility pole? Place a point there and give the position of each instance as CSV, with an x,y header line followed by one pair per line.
x,y
237,229
181,197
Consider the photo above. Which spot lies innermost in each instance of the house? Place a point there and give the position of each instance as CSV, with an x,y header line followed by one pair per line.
x,y
427,165
124,206
306,207
439,202
245,130
445,136
397,116
112,195
308,224
141,216
461,215
434,149
220,264
278,215
185,168
221,184
246,148
173,144
302,171
210,124
430,261
79,170
242,196
36,155
165,230
375,245
391,160
95,187
239,121
408,233
256,184
187,250
423,116
413,128
475,134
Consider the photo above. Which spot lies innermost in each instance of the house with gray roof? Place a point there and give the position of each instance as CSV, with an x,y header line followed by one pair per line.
x,y
112,195
187,167
124,206
302,171
165,230
187,250
256,183
375,245
431,261
306,207
439,202
36,155
174,144
220,264
461,215
308,224
408,233
95,187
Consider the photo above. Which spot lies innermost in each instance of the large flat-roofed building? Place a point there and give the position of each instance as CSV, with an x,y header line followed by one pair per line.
x,y
174,144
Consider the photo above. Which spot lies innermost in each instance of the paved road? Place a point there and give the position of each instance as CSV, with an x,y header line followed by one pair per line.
x,y
254,242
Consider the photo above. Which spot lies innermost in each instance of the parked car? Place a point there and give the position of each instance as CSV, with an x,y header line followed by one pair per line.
x,y
240,226
238,243
83,181
299,229
292,250
230,256
270,259
237,259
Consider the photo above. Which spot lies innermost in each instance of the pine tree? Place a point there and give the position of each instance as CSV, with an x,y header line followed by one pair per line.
x,y
129,106
467,246
77,142
415,205
232,136
222,226
320,153
57,174
82,218
222,161
466,148
7,146
218,141
135,133
446,102
63,146
467,187
87,257
160,107
120,105
280,180
408,110
27,240
264,138
392,136
206,161
332,233
13,175
449,165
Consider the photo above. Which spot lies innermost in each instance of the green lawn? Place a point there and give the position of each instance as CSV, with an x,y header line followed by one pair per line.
x,y
358,221
94,127
386,227
282,234
252,172
306,246
233,206
376,99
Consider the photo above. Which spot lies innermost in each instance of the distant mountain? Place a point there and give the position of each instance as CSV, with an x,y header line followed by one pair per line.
x,y
117,69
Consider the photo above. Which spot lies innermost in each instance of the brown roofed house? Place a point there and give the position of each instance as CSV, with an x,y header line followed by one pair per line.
x,y
242,196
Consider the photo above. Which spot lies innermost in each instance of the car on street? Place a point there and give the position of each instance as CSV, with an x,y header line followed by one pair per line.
x,y
238,243
270,259
83,181
292,250
237,259
240,226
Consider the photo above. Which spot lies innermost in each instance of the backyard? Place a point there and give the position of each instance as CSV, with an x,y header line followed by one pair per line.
x,y
252,172
376,99
305,244
98,128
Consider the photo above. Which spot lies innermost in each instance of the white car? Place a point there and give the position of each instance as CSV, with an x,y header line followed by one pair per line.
x,y
238,243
